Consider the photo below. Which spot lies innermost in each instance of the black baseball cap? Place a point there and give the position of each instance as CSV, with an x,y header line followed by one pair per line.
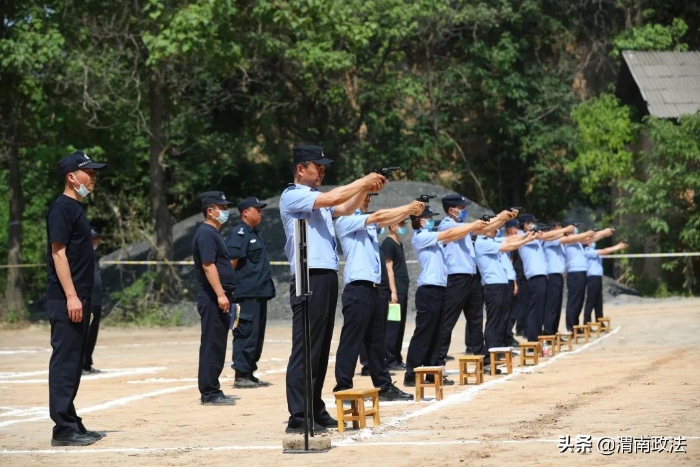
x,y
567,222
512,223
308,152
427,212
454,200
251,202
525,218
78,160
209,198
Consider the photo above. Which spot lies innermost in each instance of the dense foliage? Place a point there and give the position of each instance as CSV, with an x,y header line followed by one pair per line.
x,y
180,96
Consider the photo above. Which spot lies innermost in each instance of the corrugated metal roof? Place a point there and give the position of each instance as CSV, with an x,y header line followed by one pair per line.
x,y
669,81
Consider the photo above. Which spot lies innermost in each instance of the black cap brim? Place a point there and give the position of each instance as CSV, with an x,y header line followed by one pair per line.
x,y
323,161
93,166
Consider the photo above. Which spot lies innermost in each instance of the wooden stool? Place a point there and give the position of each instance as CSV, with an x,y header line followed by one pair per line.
x,y
464,363
421,384
357,413
597,328
535,357
560,335
604,324
551,340
577,334
507,353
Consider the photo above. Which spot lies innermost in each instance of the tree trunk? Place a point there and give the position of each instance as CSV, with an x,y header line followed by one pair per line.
x,y
14,300
158,191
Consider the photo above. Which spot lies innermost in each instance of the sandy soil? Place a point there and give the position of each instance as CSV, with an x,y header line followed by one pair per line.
x,y
639,380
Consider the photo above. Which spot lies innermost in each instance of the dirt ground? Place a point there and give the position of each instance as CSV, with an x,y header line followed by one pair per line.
x,y
640,380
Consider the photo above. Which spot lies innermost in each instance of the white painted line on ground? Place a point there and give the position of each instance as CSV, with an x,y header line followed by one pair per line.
x,y
21,374
463,396
104,374
22,412
106,405
128,450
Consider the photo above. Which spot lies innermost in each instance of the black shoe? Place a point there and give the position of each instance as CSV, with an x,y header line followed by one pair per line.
x,y
395,366
394,394
219,400
364,371
93,434
449,358
469,352
90,371
520,333
487,370
513,343
299,428
262,384
73,439
447,382
244,383
409,381
326,421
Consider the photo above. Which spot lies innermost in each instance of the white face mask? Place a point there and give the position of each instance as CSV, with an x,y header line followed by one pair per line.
x,y
223,216
82,189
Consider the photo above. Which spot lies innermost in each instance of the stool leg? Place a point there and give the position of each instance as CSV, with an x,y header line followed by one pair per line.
x,y
354,412
341,414
493,364
509,362
361,413
375,405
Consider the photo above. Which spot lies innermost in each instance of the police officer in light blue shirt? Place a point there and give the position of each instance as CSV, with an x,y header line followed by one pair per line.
x,y
364,318
507,262
424,347
594,279
463,292
302,200
535,267
490,256
576,268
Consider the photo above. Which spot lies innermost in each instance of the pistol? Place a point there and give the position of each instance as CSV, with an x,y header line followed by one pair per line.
x,y
486,217
386,171
425,198
515,208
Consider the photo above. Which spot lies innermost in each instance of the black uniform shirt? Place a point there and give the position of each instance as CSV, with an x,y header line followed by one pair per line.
x,y
394,251
383,286
253,275
208,247
67,223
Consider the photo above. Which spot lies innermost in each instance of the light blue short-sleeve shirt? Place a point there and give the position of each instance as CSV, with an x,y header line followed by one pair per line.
x,y
533,258
595,262
488,259
575,258
556,259
505,261
433,270
297,202
360,247
459,255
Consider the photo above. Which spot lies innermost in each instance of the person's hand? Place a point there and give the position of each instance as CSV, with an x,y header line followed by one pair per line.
x,y
590,233
570,229
623,245
75,309
609,231
224,304
507,215
478,224
394,297
373,182
538,235
416,208
515,288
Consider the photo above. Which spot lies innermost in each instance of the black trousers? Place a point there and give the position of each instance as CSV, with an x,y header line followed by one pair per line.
x,y
323,284
496,299
383,305
462,295
249,335
509,336
212,347
520,305
394,334
424,346
364,325
66,365
91,340
537,291
594,298
552,308
575,293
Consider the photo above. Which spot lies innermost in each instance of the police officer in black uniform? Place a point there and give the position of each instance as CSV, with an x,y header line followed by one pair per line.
x,y
69,280
216,286
254,288
95,309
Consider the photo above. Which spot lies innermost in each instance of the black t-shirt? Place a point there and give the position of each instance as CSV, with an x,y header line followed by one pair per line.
x,y
208,247
67,223
253,275
394,251
518,266
383,286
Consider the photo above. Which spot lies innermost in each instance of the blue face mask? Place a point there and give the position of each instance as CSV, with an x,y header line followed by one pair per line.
x,y
429,224
575,230
499,233
223,216
401,231
462,215
593,245
82,189
380,231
